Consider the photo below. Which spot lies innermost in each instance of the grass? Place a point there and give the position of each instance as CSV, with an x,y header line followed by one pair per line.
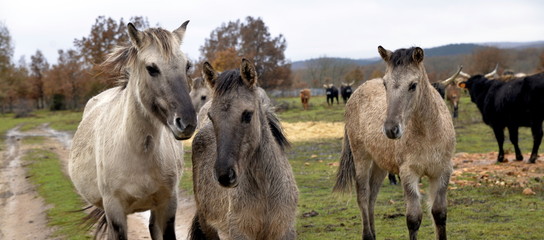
x,y
290,110
45,171
473,213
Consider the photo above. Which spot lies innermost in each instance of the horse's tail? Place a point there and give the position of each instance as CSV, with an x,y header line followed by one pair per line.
x,y
200,230
346,171
96,218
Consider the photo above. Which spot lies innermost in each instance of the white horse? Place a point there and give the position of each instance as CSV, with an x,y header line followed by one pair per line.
x,y
125,157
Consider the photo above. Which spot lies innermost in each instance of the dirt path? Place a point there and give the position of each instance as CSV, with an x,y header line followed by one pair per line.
x,y
22,212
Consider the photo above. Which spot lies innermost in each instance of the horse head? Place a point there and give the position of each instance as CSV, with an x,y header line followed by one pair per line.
x,y
237,117
159,76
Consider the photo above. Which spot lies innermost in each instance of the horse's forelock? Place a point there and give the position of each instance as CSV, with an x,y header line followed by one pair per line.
x,y
402,57
227,81
124,57
165,40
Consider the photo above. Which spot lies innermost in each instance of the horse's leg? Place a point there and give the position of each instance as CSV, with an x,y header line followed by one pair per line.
x,y
513,132
499,135
377,176
116,218
162,220
536,129
410,186
200,230
438,187
362,182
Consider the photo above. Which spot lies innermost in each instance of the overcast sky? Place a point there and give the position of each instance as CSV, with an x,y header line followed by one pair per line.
x,y
312,28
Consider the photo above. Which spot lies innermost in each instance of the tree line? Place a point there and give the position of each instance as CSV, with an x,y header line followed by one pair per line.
x,y
325,70
76,76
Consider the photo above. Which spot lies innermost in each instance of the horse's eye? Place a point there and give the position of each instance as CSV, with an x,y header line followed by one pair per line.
x,y
412,86
385,86
153,70
188,67
203,98
246,116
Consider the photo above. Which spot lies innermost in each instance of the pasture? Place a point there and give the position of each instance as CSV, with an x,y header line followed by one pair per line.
x,y
485,200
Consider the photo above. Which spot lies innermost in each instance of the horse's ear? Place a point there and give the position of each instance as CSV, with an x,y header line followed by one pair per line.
x,y
384,53
135,35
248,72
325,85
180,32
209,74
417,55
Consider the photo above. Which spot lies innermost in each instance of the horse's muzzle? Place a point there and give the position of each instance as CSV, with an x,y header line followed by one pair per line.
x,y
227,178
182,131
392,131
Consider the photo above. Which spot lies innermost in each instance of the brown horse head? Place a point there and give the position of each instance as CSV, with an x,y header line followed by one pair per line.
x,y
403,77
236,116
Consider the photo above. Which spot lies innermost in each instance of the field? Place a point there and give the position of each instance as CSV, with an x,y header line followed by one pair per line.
x,y
486,200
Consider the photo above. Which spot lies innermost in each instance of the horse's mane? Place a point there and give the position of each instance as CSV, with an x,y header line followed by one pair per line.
x,y
402,57
123,57
230,80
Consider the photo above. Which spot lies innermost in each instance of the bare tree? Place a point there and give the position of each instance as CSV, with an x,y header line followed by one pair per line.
x,y
38,69
250,39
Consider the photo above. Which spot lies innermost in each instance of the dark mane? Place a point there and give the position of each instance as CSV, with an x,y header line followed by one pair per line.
x,y
402,57
276,129
231,79
227,81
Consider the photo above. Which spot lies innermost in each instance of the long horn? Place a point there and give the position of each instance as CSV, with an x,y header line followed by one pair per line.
x,y
464,74
491,74
453,77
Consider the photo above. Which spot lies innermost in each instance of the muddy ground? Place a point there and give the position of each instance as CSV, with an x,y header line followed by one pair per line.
x,y
22,212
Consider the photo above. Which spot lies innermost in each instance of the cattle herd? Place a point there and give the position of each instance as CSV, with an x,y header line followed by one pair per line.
x,y
125,158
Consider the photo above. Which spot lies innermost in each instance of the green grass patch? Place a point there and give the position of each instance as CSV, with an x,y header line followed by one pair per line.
x,y
55,188
290,110
473,213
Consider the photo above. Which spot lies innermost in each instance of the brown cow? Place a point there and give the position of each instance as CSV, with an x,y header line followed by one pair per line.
x,y
305,95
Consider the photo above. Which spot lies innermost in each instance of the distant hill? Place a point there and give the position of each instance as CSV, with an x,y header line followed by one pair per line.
x,y
451,49
441,51
518,45
361,62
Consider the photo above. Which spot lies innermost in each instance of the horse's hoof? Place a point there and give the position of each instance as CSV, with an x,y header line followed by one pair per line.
x,y
533,159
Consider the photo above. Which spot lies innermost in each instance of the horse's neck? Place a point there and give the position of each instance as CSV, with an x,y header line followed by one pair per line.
x,y
269,155
134,116
428,106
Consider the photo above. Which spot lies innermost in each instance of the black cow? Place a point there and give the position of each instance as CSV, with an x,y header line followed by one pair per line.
x,y
440,88
345,91
513,104
332,92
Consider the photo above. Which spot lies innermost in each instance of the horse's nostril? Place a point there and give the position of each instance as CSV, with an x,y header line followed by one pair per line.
x,y
228,180
179,124
232,175
395,130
